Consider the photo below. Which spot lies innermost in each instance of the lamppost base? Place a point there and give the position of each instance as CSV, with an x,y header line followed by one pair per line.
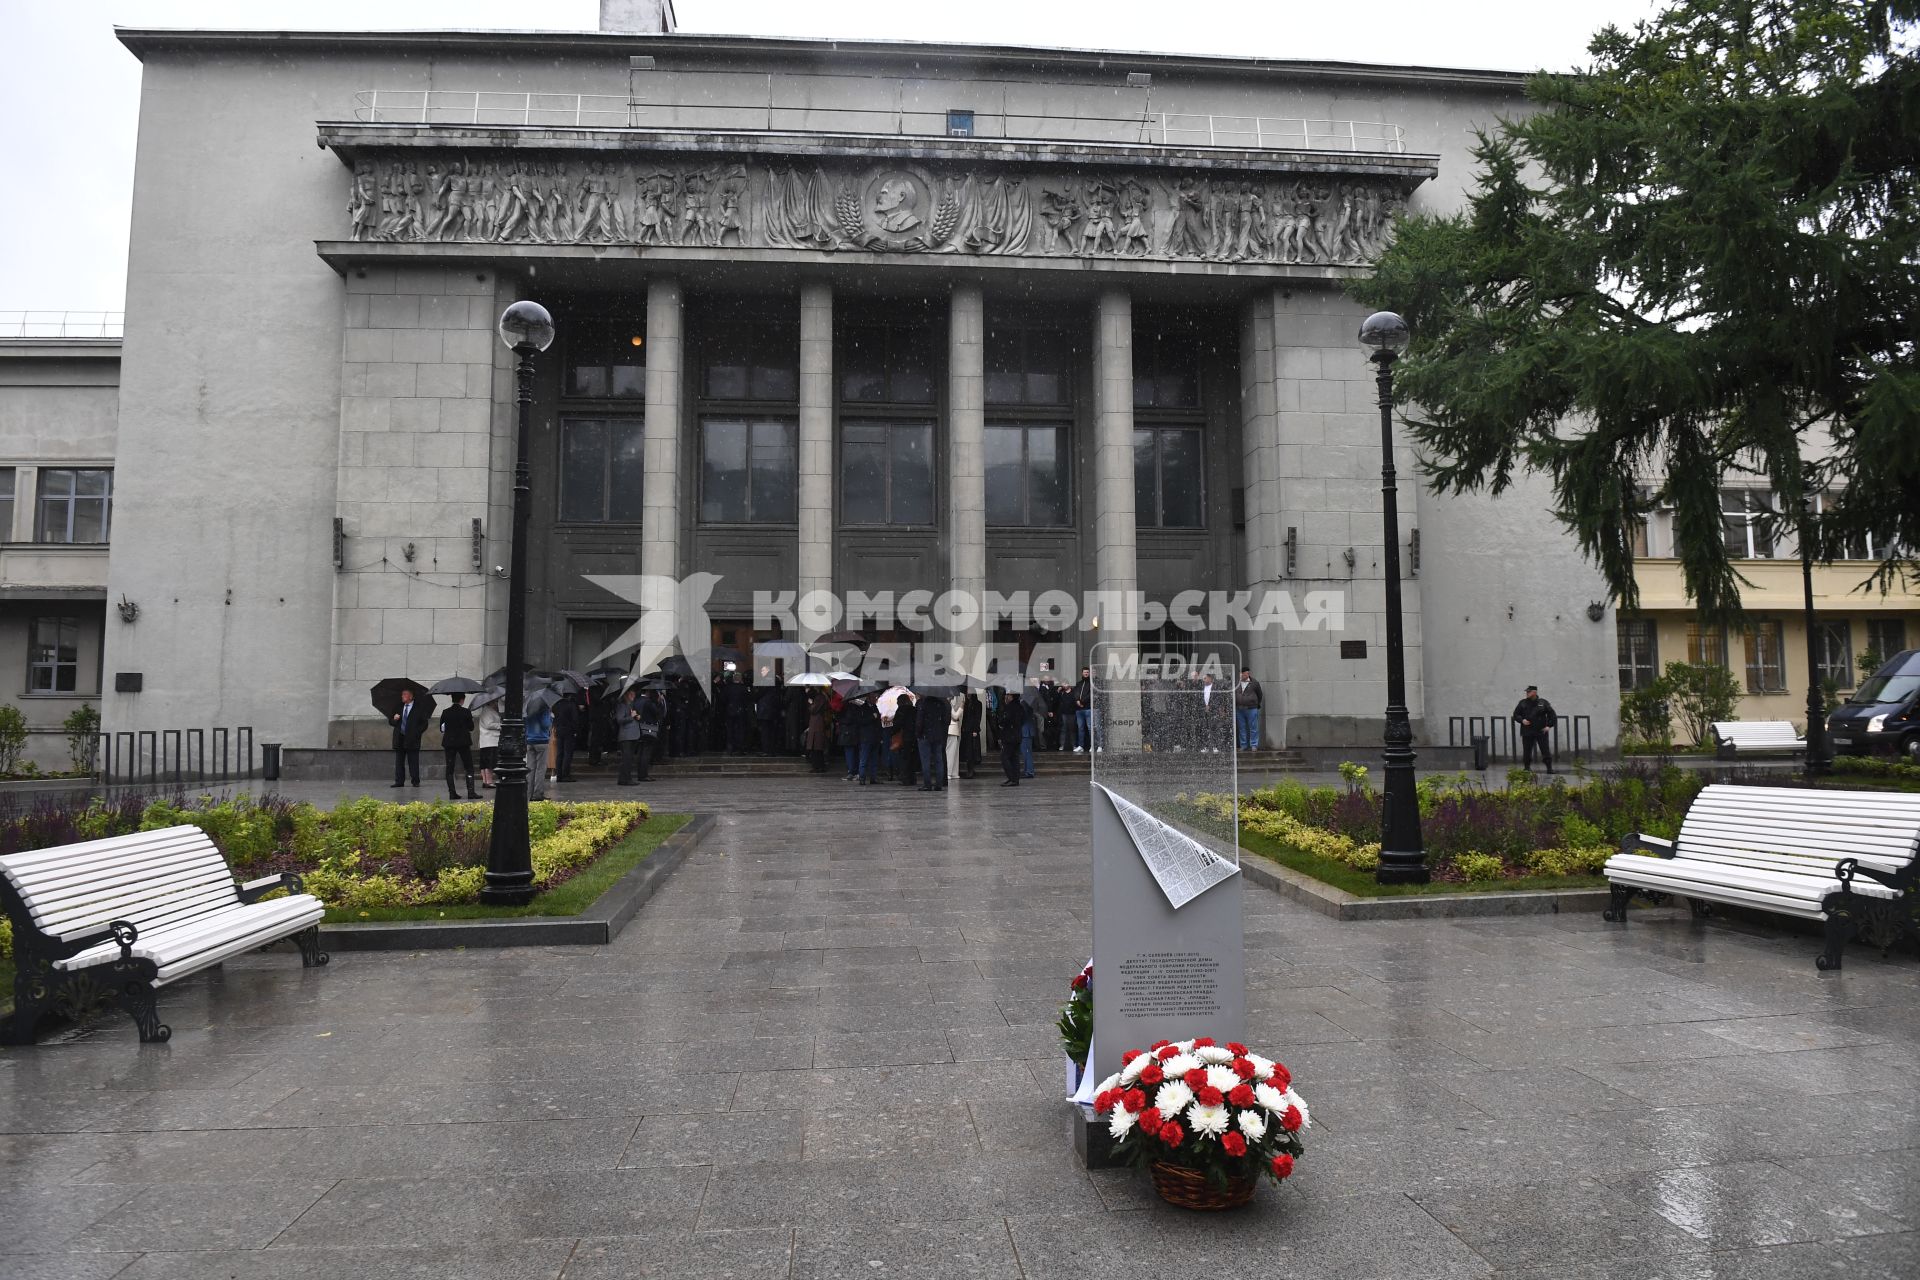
x,y
1413,870
512,890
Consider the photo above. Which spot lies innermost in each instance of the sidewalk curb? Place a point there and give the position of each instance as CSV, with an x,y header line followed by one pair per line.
x,y
598,925
1341,905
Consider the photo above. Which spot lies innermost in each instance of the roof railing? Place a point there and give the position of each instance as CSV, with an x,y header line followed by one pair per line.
x,y
484,108
62,324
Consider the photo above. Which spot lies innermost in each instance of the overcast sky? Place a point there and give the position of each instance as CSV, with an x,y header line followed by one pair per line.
x,y
72,92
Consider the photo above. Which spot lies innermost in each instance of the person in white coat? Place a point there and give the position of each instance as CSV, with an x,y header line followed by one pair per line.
x,y
486,736
959,705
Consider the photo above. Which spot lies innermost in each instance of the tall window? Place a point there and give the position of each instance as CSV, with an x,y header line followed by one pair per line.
x,y
748,472
1874,546
7,476
75,505
1833,646
53,655
1167,490
600,469
1027,475
886,364
1027,366
606,359
886,472
1744,517
1639,654
1886,636
1166,369
1766,653
752,361
1706,646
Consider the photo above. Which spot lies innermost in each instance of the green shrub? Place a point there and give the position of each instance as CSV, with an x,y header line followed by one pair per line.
x,y
1355,774
1576,832
82,725
1519,779
1876,767
1480,866
1700,693
1567,862
1645,715
13,737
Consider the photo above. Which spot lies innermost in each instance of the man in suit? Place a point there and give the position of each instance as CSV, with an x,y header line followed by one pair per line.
x,y
409,726
1012,723
934,718
456,739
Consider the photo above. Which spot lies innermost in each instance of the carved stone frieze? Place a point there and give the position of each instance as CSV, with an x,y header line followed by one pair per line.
x,y
1212,216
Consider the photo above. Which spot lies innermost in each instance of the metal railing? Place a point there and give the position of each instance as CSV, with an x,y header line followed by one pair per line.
x,y
219,754
482,108
1503,736
62,324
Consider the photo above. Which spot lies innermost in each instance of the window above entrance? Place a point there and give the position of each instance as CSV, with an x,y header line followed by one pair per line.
x,y
605,359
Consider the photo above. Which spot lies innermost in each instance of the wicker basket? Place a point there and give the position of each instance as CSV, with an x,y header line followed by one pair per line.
x,y
1190,1190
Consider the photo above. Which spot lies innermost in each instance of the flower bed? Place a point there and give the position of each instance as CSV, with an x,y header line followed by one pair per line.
x,y
359,857
1524,837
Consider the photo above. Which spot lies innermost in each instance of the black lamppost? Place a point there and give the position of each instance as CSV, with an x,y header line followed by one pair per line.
x,y
528,330
1819,752
1402,859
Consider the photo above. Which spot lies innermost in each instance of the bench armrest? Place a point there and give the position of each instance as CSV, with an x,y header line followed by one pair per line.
x,y
1848,868
254,890
1638,843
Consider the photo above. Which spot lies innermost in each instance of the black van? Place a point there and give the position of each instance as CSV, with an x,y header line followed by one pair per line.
x,y
1884,712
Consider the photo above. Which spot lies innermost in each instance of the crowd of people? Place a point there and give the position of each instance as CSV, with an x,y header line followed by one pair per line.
x,y
920,736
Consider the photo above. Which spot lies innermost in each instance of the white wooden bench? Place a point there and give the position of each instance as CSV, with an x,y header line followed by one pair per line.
x,y
117,919
1843,857
1733,738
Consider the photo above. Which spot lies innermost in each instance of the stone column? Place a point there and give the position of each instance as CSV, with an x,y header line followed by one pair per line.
x,y
966,458
1115,567
660,485
1260,479
816,443
26,501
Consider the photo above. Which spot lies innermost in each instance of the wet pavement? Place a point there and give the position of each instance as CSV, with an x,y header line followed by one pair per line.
x,y
826,1049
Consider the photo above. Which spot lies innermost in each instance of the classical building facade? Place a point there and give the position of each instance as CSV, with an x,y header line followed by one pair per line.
x,y
58,409
845,316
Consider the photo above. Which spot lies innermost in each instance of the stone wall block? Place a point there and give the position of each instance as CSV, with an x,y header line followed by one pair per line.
x,y
394,311
407,626
390,379
415,414
416,346
469,346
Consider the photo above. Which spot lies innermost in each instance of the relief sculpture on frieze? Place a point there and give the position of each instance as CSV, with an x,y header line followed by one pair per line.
x,y
1214,215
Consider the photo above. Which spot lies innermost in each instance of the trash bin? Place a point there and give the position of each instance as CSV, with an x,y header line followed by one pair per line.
x,y
270,761
1480,751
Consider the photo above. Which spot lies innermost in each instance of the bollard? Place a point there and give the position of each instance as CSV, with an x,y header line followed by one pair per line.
x,y
1480,751
270,761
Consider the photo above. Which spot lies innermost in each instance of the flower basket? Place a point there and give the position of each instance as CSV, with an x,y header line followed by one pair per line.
x,y
1073,1076
1206,1119
1076,1025
1190,1189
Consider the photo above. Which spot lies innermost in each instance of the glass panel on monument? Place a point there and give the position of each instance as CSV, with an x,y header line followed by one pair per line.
x,y
1168,952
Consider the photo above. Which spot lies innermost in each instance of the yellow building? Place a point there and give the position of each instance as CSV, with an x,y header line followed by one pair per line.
x,y
1769,655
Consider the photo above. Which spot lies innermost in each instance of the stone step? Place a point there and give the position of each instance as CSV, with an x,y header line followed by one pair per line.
x,y
1044,762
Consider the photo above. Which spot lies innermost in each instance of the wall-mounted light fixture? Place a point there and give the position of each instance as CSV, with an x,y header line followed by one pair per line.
x,y
128,609
1413,554
339,543
1596,610
1293,548
478,545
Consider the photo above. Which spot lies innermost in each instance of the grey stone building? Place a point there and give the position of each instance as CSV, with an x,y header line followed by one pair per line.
x,y
835,315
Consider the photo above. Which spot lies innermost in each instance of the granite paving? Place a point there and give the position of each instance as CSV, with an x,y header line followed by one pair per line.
x,y
824,1050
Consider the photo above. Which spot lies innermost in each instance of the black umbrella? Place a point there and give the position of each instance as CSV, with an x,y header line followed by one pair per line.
x,y
545,696
722,653
936,690
457,684
843,637
386,696
609,672
486,697
578,678
675,664
499,675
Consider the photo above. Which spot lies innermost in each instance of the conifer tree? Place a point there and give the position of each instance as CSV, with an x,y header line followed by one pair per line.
x,y
1687,260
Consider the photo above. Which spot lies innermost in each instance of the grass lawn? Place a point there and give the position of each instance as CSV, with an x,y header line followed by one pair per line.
x,y
569,899
1362,884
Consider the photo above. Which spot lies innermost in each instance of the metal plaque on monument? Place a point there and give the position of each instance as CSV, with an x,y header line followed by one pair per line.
x,y
1169,957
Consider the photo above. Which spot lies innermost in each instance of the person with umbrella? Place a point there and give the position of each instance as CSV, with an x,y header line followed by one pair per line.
x,y
866,720
539,733
634,715
816,738
456,740
486,732
410,722
1013,723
